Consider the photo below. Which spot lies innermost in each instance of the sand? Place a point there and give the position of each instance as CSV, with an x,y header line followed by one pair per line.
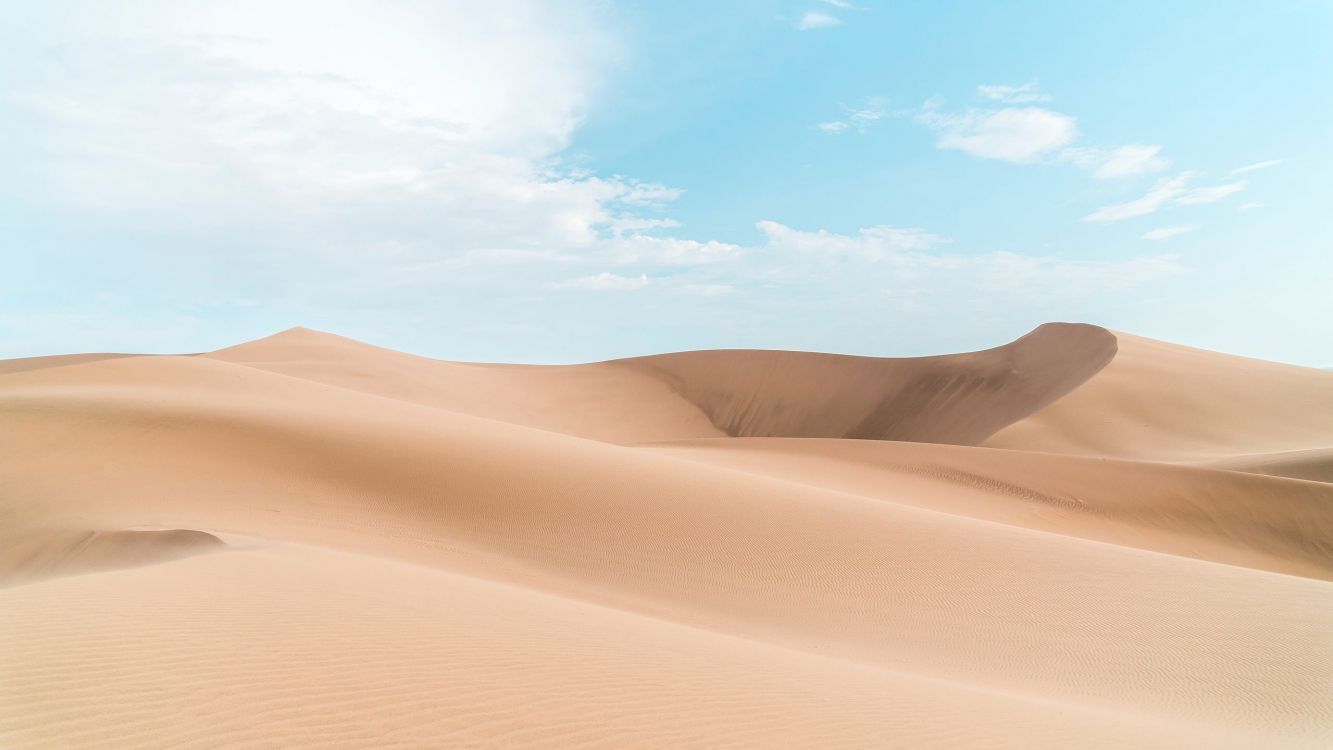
x,y
1079,539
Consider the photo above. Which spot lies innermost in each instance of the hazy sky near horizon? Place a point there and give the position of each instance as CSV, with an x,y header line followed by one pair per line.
x,y
566,181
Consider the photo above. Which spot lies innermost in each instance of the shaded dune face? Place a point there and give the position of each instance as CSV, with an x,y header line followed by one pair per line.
x,y
960,398
53,554
1315,464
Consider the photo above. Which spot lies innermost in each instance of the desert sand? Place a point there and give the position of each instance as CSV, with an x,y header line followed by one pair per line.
x,y
1081,539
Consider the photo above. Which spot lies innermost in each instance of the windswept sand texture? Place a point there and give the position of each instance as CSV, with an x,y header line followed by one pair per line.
x,y
1079,539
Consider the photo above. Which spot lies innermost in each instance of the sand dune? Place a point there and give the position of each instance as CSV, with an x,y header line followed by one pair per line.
x,y
1161,401
603,401
959,398
675,551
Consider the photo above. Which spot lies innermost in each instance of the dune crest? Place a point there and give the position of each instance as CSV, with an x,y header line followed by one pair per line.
x,y
958,398
601,401
23,364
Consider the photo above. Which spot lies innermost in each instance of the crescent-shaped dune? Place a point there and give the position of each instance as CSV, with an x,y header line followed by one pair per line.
x,y
1079,539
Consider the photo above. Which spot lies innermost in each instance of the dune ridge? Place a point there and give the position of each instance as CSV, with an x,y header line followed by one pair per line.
x,y
958,398
23,364
1165,402
750,549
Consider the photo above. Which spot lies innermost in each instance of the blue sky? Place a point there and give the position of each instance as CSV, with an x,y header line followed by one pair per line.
x,y
562,181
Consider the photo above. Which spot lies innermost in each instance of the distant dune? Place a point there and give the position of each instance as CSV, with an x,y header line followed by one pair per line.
x,y
1078,539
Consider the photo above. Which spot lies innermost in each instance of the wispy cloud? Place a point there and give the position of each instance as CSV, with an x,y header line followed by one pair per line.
x,y
1256,166
859,118
1161,194
839,4
1128,161
605,282
1007,94
1163,233
1211,194
816,19
1250,205
1166,192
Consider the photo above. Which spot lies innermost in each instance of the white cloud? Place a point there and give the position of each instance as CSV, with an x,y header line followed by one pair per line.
x,y
1163,233
1257,165
634,224
839,4
817,19
431,135
418,115
1165,191
860,117
605,282
1029,134
1130,160
1016,134
1250,205
1024,94
672,251
1210,194
869,244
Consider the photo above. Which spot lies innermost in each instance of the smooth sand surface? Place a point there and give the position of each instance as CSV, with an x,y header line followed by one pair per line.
x,y
1079,539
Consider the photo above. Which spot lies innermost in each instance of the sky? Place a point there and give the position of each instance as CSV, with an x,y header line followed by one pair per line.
x,y
574,181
